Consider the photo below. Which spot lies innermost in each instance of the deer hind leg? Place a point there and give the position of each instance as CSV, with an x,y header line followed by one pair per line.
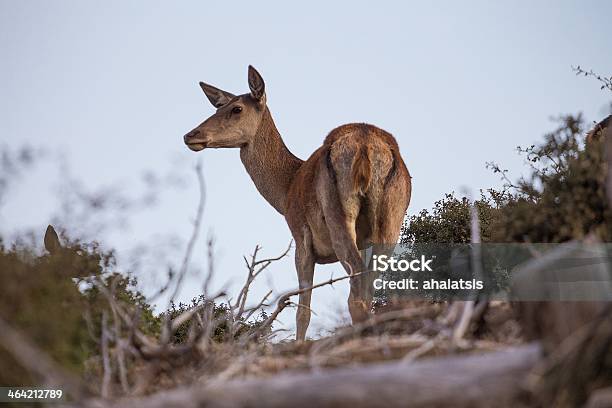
x,y
304,263
371,212
392,210
342,233
390,214
359,303
340,217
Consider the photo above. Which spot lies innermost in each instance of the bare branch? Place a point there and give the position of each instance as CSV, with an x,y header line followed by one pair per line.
x,y
255,308
253,272
283,301
606,83
106,378
119,353
195,233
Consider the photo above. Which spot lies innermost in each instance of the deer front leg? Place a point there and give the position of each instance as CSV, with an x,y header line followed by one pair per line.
x,y
304,263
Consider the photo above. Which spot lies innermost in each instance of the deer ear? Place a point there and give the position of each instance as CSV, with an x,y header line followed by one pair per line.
x,y
216,96
256,84
52,243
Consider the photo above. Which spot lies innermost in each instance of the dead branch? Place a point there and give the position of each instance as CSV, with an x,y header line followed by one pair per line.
x,y
211,265
318,351
464,320
460,381
120,345
588,351
104,339
467,315
601,398
146,347
194,234
254,268
283,301
252,310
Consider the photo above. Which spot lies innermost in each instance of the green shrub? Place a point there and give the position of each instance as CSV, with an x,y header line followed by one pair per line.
x,y
562,198
49,300
53,301
221,315
40,298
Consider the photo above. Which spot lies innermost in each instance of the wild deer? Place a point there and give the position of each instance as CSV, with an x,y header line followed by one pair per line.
x,y
353,190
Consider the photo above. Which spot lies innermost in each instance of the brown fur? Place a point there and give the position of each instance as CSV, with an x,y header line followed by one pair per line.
x,y
351,192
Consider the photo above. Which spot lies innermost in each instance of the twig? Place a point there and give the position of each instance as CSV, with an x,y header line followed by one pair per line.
x,y
253,273
164,287
211,266
606,83
255,308
166,324
419,351
106,378
283,301
194,234
238,308
358,328
137,334
190,313
464,320
119,343
120,355
468,307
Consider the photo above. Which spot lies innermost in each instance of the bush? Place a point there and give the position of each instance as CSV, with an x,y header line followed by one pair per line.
x,y
49,299
221,314
449,221
563,198
53,301
40,298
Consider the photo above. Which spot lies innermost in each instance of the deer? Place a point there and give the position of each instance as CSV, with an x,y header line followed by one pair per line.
x,y
351,192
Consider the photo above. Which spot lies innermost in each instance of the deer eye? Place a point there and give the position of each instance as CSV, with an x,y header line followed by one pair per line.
x,y
237,109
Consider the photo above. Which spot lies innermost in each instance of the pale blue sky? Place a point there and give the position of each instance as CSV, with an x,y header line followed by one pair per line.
x,y
114,86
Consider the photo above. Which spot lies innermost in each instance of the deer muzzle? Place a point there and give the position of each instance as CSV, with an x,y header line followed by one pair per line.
x,y
194,141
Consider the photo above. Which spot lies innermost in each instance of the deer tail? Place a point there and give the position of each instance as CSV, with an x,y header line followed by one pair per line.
x,y
361,170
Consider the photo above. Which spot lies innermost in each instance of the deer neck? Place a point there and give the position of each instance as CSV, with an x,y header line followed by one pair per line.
x,y
269,163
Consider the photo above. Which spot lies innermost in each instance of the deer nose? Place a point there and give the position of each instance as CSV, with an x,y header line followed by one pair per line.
x,y
190,135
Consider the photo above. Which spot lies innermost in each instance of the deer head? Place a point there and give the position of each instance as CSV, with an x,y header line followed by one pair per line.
x,y
236,120
70,260
52,242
